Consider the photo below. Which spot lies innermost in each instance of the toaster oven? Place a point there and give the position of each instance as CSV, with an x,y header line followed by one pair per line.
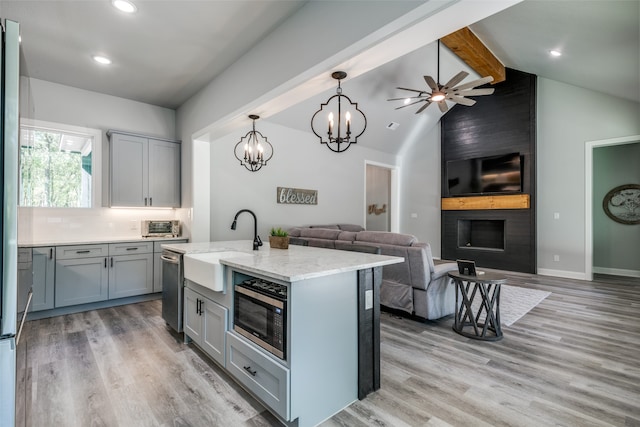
x,y
161,228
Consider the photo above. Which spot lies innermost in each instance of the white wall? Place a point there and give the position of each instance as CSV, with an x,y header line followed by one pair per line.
x,y
567,117
420,188
299,161
52,102
42,100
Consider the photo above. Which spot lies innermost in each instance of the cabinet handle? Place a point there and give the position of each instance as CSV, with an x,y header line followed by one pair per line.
x,y
132,249
248,369
50,253
150,201
105,263
200,307
145,201
111,261
82,252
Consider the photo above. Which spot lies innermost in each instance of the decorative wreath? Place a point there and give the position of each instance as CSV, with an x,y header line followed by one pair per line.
x,y
622,204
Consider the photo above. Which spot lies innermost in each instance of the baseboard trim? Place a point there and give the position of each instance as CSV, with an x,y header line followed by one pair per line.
x,y
616,271
562,273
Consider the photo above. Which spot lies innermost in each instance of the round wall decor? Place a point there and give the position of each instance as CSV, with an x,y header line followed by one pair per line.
x,y
622,204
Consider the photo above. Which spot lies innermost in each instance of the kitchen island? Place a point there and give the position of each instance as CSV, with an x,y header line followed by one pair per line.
x,y
331,326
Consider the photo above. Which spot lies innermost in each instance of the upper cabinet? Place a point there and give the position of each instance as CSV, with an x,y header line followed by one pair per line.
x,y
144,171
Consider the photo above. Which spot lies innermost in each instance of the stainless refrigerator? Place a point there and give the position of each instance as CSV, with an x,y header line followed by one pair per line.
x,y
9,86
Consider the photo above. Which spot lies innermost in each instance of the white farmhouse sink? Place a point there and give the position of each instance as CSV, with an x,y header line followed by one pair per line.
x,y
205,268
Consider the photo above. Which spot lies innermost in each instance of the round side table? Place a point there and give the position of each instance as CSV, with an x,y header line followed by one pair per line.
x,y
484,322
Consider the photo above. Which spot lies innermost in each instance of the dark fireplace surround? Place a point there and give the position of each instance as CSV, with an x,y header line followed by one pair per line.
x,y
502,123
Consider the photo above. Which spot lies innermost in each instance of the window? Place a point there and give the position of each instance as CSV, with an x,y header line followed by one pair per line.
x,y
58,165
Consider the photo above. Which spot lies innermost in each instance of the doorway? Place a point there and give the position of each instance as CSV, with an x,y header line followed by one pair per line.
x,y
590,147
381,201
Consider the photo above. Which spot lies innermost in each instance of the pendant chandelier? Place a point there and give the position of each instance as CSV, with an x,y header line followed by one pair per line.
x,y
253,150
338,120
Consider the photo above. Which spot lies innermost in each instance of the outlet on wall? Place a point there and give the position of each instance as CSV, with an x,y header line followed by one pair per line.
x,y
133,224
556,258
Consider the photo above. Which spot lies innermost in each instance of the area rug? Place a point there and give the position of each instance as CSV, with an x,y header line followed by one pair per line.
x,y
515,302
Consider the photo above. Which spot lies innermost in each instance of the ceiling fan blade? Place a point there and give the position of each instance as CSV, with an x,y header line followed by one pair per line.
x,y
413,103
431,83
420,97
443,106
474,92
461,100
411,90
455,80
421,109
474,83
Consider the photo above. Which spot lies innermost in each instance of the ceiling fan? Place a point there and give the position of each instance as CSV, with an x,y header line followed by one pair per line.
x,y
449,91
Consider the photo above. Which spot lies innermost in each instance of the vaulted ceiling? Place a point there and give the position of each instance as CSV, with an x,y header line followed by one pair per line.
x,y
169,50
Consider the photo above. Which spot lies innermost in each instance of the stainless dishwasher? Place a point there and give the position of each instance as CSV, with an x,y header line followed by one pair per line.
x,y
172,288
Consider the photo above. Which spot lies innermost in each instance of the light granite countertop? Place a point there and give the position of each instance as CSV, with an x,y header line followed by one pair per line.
x,y
90,241
290,265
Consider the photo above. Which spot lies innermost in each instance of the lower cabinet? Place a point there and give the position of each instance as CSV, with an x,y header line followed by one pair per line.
x,y
205,322
25,277
130,269
262,375
44,267
81,280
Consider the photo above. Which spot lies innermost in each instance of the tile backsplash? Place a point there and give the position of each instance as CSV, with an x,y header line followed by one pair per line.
x,y
59,225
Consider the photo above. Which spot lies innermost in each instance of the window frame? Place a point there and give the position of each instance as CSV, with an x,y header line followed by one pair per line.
x,y
96,156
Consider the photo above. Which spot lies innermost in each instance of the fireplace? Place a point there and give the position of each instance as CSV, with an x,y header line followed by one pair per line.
x,y
502,238
487,234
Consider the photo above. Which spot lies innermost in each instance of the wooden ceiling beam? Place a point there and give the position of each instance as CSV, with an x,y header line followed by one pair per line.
x,y
475,54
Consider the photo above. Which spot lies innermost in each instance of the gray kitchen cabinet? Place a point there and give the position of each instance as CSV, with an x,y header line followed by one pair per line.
x,y
144,171
81,276
130,269
205,322
25,276
157,263
43,269
259,373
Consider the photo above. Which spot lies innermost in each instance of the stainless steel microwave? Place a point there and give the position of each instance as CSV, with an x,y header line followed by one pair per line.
x,y
161,228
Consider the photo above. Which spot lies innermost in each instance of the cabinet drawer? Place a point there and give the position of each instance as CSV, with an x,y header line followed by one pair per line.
x,y
263,376
130,248
24,254
81,251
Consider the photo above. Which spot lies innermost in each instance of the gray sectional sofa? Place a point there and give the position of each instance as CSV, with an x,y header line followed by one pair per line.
x,y
417,286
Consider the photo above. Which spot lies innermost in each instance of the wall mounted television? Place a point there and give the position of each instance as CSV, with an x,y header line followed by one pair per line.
x,y
485,175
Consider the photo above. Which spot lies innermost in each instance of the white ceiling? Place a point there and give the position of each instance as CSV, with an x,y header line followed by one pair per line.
x,y
169,50
162,54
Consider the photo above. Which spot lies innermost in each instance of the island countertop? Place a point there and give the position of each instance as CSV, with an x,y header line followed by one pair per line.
x,y
290,265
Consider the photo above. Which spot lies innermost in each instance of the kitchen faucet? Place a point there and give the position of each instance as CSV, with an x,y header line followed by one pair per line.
x,y
256,239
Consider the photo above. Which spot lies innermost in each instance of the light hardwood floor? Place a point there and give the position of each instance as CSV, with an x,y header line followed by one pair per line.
x,y
574,360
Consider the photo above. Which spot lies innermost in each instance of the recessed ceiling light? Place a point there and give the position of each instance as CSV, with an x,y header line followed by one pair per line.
x,y
124,5
101,59
555,53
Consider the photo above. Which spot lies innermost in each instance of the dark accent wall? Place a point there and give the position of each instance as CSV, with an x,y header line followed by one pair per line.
x,y
502,123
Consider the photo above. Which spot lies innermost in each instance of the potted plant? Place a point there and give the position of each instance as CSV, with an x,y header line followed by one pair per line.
x,y
279,238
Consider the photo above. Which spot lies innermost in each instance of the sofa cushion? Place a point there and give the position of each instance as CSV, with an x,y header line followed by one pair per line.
x,y
320,243
320,233
347,236
294,231
351,227
387,238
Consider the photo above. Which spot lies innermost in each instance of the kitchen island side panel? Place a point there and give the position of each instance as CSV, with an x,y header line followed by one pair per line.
x,y
323,322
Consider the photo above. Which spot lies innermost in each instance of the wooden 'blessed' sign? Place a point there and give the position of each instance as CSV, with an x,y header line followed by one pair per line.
x,y
296,196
